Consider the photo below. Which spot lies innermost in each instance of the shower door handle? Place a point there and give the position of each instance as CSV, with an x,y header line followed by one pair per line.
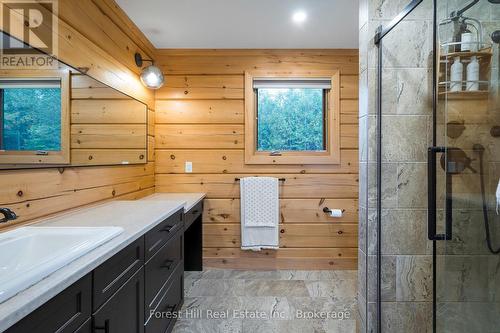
x,y
431,196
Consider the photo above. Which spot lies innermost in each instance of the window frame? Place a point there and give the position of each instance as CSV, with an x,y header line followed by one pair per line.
x,y
13,157
332,122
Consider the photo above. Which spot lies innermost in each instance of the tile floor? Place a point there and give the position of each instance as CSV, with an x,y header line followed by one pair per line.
x,y
273,301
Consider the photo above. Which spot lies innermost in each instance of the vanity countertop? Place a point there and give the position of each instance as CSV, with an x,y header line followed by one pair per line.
x,y
135,217
190,199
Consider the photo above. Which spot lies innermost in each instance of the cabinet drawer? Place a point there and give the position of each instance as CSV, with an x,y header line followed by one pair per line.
x,y
159,235
112,274
64,313
160,268
170,301
193,214
123,312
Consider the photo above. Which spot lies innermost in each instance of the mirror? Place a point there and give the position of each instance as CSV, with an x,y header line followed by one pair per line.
x,y
62,117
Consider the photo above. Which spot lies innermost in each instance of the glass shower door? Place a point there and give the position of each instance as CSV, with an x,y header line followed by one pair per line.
x,y
467,167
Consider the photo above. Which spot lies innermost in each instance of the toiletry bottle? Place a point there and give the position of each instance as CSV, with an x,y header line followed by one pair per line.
x,y
467,39
457,70
473,75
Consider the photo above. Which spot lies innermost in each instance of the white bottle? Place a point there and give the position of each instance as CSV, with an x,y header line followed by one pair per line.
x,y
468,42
457,70
473,74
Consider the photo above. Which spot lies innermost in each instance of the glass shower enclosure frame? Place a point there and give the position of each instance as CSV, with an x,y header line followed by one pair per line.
x,y
456,217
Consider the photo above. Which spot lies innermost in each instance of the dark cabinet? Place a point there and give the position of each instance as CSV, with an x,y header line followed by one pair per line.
x,y
124,311
111,275
163,264
193,238
159,235
65,313
119,295
161,312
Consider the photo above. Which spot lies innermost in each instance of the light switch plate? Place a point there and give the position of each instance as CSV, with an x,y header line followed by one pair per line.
x,y
189,167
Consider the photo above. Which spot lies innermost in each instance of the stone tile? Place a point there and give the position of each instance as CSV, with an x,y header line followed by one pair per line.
x,y
363,13
494,278
277,307
208,326
404,232
363,140
372,232
388,279
468,317
361,313
362,266
275,288
413,91
389,185
363,94
409,45
364,39
343,274
206,274
407,317
390,91
405,138
372,142
251,275
200,305
299,326
362,225
213,287
412,187
463,278
337,288
372,320
383,9
322,304
317,275
414,278
469,235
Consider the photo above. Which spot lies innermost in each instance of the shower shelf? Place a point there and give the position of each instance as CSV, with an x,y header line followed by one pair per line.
x,y
484,54
461,95
484,57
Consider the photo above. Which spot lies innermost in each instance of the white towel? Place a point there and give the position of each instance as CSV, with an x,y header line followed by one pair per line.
x,y
259,213
259,201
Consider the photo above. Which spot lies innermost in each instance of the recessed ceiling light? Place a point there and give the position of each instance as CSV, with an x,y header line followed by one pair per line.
x,y
299,16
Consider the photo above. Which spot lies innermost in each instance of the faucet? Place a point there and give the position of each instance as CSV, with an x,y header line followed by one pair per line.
x,y
8,214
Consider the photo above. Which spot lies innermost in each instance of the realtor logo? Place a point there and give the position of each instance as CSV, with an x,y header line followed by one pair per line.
x,y
29,34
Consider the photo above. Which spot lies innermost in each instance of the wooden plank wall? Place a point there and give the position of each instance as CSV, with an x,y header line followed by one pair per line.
x,y
200,118
95,35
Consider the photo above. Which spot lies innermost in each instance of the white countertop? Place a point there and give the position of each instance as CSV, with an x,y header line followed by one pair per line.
x,y
190,199
135,217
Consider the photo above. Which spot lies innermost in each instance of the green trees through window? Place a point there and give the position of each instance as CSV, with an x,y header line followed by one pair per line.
x,y
31,119
290,119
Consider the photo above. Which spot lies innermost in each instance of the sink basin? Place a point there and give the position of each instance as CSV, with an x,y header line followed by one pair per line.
x,y
29,254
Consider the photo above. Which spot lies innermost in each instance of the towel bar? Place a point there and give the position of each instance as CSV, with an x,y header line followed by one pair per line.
x,y
280,179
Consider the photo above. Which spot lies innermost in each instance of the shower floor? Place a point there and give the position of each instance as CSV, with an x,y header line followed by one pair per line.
x,y
236,301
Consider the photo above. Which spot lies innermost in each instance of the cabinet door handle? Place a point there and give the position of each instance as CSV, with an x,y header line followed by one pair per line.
x,y
168,228
167,264
104,328
170,308
195,211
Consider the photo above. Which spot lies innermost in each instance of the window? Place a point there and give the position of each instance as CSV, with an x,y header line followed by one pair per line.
x,y
292,119
33,119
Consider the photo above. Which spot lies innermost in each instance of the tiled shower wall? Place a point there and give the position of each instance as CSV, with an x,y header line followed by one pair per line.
x,y
407,117
467,276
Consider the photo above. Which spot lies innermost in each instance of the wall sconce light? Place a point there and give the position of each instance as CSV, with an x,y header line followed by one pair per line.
x,y
151,76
